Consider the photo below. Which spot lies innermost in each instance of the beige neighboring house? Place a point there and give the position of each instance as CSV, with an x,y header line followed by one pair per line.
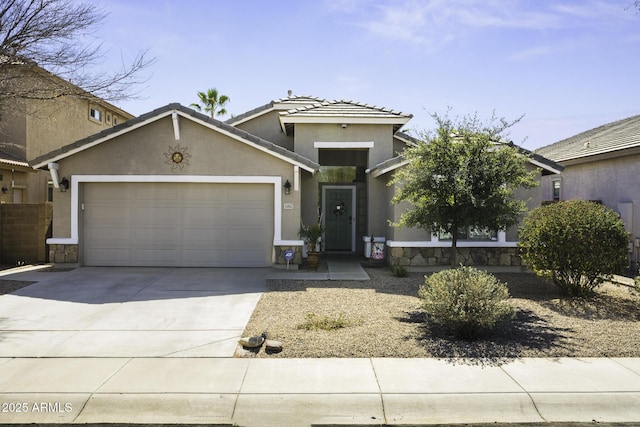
x,y
32,127
174,187
601,164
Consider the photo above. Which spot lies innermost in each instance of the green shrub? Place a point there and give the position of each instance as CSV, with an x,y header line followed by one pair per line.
x,y
399,271
324,323
466,301
577,244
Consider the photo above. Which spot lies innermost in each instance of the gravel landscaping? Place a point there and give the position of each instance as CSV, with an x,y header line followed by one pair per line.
x,y
383,318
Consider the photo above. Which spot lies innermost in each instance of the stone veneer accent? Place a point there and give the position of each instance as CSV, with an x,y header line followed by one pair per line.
x,y
63,253
297,259
426,257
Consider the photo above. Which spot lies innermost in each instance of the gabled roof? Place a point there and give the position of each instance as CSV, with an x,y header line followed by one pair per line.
x,y
343,111
406,138
277,104
181,111
548,166
607,139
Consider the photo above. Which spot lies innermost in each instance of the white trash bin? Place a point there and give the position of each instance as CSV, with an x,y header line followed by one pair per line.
x,y
378,247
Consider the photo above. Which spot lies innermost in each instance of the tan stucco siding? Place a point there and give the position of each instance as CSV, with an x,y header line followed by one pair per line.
x,y
611,181
267,126
56,123
146,151
380,135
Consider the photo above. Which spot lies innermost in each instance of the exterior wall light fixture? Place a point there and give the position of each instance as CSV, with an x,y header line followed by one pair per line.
x,y
287,187
64,184
5,190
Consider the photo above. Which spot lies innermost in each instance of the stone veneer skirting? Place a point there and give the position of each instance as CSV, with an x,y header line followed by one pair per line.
x,y
297,258
63,253
426,257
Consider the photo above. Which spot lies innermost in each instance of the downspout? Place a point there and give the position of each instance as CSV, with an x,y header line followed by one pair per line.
x,y
176,125
53,169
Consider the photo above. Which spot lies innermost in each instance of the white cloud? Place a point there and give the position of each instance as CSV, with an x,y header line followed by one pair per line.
x,y
435,23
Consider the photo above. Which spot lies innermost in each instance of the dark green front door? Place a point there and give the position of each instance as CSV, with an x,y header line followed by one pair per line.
x,y
338,219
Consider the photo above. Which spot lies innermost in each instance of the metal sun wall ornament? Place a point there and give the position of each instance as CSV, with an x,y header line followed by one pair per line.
x,y
177,157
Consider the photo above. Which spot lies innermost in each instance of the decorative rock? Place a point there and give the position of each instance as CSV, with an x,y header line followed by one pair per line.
x,y
272,346
251,342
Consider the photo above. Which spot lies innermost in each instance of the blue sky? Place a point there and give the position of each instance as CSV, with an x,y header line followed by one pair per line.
x,y
568,66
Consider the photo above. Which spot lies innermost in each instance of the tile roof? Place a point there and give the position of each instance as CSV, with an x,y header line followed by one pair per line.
x,y
537,160
140,120
344,108
608,138
281,103
11,160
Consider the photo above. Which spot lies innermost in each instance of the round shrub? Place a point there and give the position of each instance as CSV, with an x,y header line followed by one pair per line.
x,y
466,301
578,244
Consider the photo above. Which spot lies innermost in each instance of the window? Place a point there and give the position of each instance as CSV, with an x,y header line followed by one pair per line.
x,y
95,114
556,190
108,118
472,233
337,174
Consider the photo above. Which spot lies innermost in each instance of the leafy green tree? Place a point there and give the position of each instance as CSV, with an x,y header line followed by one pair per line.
x,y
461,176
578,244
212,102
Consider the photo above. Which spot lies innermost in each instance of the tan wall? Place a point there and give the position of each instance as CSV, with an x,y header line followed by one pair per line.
x,y
23,232
381,135
54,124
612,181
146,151
13,132
267,126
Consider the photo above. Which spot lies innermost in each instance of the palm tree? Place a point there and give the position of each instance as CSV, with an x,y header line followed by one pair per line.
x,y
212,102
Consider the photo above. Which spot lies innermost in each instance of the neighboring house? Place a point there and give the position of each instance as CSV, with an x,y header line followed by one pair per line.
x,y
31,126
601,164
177,188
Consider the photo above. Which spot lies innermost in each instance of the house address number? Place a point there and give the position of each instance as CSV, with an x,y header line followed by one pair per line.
x,y
288,205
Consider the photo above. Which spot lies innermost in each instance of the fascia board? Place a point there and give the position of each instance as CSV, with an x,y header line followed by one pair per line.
x,y
253,116
337,119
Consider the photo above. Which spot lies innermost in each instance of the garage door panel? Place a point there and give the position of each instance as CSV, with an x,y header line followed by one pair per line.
x,y
203,193
115,214
156,236
202,216
109,235
178,224
252,194
155,192
204,235
156,256
157,215
244,216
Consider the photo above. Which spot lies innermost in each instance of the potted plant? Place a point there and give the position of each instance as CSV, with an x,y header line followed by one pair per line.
x,y
312,234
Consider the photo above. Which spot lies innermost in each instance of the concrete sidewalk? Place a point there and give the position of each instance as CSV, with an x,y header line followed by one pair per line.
x,y
304,392
338,268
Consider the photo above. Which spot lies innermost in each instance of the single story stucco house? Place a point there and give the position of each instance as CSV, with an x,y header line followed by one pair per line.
x,y
174,187
601,164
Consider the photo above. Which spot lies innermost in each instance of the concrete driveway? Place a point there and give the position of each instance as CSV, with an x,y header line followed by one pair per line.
x,y
129,312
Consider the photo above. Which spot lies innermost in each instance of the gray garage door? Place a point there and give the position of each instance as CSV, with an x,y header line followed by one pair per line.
x,y
177,224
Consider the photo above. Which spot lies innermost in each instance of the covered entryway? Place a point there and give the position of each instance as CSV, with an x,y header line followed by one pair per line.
x,y
339,217
177,224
